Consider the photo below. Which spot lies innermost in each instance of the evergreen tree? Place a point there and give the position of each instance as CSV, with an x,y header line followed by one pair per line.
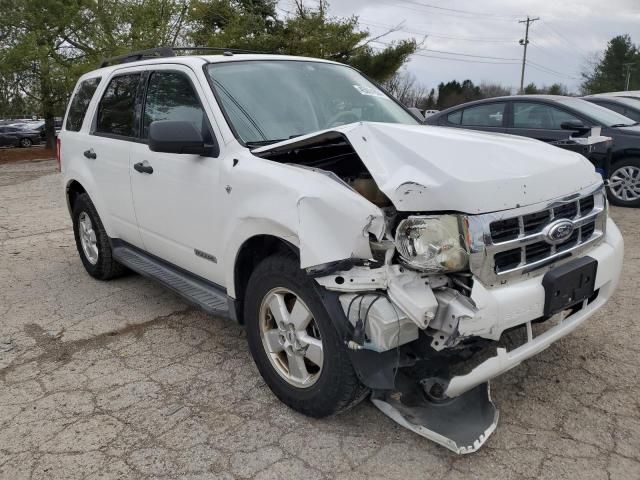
x,y
609,74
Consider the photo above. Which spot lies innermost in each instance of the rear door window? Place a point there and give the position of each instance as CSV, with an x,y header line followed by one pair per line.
x,y
540,115
80,103
487,115
116,111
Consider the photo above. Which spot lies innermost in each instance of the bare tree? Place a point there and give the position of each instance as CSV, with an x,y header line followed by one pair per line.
x,y
406,89
490,90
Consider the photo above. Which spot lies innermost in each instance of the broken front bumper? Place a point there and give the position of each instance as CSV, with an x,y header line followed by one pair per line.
x,y
522,303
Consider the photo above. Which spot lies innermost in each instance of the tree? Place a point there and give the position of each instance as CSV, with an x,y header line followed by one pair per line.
x,y
45,45
311,32
490,90
431,102
609,73
531,89
453,93
557,89
407,90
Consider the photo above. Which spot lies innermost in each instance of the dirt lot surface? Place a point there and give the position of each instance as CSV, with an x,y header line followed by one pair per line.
x,y
12,154
124,380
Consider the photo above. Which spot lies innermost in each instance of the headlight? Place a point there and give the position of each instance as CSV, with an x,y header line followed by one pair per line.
x,y
433,243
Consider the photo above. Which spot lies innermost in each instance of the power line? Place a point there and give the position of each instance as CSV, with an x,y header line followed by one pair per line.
x,y
544,69
457,53
435,35
579,50
468,12
457,15
466,54
465,60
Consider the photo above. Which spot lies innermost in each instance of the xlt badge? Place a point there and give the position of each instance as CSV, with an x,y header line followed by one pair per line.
x,y
205,255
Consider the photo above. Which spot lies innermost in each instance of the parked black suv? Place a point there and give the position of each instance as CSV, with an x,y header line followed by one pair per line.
x,y
541,117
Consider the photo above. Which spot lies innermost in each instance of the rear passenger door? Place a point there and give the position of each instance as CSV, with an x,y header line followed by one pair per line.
x,y
178,205
541,121
487,117
114,131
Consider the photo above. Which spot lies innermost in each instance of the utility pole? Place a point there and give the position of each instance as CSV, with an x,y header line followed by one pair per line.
x,y
525,42
628,67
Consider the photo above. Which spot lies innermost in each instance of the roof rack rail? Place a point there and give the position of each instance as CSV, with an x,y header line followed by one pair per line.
x,y
139,55
215,49
161,52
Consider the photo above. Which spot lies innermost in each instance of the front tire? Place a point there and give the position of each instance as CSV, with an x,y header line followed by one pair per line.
x,y
294,343
624,183
92,241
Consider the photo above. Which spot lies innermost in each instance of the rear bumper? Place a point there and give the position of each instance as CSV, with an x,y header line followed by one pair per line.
x,y
520,304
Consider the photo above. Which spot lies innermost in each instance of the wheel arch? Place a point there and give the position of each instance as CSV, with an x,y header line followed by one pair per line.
x,y
252,251
72,190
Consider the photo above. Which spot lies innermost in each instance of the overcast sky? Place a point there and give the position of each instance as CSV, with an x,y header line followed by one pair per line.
x,y
568,34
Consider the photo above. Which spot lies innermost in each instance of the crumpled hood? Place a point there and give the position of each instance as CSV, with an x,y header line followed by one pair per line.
x,y
429,168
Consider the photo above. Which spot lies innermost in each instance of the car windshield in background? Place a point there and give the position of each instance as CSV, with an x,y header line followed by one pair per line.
x,y
272,100
604,116
628,101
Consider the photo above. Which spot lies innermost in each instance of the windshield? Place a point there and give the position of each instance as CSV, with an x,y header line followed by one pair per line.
x,y
603,116
628,101
274,100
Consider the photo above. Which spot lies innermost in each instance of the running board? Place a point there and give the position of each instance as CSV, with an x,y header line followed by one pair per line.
x,y
210,298
461,424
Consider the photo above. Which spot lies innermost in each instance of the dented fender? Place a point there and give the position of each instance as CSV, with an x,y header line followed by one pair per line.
x,y
323,217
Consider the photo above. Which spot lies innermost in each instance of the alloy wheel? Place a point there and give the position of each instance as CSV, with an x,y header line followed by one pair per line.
x,y
88,238
291,338
624,183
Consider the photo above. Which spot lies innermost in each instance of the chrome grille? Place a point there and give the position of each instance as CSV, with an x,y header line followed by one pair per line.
x,y
515,242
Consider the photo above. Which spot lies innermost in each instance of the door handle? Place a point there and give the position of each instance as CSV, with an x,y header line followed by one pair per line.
x,y
90,154
143,167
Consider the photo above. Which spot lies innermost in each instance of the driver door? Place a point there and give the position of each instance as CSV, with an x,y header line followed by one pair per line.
x,y
178,204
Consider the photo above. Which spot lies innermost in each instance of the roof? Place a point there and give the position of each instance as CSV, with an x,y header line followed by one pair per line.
x,y
630,93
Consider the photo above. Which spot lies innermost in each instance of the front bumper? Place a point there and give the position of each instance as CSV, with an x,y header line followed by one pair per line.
x,y
511,305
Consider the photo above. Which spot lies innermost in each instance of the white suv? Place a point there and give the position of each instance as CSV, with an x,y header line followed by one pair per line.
x,y
364,252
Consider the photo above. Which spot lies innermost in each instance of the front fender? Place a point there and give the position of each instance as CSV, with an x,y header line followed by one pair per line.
x,y
320,215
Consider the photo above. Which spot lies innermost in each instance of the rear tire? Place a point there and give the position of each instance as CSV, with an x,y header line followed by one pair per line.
x,y
25,142
92,241
281,354
624,183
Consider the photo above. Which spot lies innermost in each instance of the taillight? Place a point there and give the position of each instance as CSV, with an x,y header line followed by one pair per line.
x,y
58,154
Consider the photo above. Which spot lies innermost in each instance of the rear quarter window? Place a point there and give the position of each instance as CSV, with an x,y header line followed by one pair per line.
x,y
80,103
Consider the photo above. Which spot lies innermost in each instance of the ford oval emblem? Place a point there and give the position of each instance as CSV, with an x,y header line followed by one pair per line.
x,y
559,231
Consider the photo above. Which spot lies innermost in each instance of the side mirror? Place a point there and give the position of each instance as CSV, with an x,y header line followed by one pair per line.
x,y
576,126
169,136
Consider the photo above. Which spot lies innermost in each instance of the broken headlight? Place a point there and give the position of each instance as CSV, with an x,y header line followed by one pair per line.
x,y
433,243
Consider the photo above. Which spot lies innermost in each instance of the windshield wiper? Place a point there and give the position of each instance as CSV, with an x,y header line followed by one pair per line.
x,y
262,143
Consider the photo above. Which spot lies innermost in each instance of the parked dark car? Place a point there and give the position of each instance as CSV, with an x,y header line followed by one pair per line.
x,y
629,107
550,118
39,127
18,137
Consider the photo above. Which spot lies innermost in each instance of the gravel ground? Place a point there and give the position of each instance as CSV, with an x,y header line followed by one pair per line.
x,y
124,380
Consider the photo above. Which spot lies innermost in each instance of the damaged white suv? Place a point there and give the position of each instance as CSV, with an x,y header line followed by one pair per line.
x,y
365,253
